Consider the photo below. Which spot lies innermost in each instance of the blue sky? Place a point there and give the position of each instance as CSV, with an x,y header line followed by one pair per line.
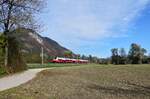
x,y
96,26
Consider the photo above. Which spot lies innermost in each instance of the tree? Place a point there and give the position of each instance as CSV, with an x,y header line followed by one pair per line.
x,y
136,53
83,57
68,54
115,56
148,59
90,58
78,56
15,14
15,60
143,56
123,56
105,61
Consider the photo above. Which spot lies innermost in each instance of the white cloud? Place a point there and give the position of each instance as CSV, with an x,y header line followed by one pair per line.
x,y
93,19
82,20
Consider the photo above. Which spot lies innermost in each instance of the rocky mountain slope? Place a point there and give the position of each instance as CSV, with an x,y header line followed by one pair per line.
x,y
32,42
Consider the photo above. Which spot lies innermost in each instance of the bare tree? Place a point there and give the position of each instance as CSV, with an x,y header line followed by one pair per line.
x,y
15,14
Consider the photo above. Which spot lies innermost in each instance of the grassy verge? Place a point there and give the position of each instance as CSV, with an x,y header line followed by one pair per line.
x,y
49,65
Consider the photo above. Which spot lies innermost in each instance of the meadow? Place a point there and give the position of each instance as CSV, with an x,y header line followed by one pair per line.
x,y
87,81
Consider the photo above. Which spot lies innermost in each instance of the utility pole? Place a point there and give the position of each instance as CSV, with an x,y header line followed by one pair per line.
x,y
42,56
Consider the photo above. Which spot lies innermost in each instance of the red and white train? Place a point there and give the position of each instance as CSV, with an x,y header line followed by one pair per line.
x,y
68,60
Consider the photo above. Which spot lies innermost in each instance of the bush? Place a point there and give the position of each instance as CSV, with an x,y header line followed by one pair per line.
x,y
15,59
2,71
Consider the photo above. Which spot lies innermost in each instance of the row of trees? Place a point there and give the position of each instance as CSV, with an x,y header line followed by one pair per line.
x,y
136,55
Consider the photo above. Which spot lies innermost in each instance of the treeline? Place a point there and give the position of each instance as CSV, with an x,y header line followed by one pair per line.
x,y
95,59
136,55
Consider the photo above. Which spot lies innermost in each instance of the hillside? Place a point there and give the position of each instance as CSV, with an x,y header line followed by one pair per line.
x,y
32,42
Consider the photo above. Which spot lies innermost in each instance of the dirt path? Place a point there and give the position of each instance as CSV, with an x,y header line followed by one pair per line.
x,y
18,79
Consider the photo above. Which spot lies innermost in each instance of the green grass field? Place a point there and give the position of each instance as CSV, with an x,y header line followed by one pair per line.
x,y
85,82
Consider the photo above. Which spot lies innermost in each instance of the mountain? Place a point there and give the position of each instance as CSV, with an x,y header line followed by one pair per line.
x,y
32,43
